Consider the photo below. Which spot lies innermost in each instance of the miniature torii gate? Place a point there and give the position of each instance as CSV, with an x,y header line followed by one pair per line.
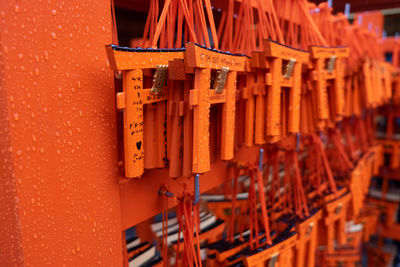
x,y
278,55
132,63
328,66
335,221
307,240
280,254
204,94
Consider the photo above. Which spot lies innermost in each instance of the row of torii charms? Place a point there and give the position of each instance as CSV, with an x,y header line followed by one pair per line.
x,y
167,96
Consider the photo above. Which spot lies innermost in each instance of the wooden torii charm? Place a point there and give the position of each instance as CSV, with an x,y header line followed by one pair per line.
x,y
133,63
279,254
329,68
283,109
335,222
307,240
204,94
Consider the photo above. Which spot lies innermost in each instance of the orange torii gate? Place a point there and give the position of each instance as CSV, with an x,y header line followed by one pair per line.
x,y
133,63
328,69
283,109
278,255
203,95
307,240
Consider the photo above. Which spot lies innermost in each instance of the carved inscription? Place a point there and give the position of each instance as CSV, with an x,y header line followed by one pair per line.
x,y
136,123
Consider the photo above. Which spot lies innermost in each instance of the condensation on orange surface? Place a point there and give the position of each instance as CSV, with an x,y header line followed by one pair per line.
x,y
59,196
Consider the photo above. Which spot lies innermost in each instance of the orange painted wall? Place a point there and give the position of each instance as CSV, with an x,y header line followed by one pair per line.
x,y
59,196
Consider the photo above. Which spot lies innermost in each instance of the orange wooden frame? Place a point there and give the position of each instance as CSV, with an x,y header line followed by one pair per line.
x,y
276,54
201,97
283,251
322,74
307,240
132,62
335,212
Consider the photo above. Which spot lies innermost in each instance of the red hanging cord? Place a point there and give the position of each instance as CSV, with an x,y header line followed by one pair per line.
x,y
261,195
114,32
231,228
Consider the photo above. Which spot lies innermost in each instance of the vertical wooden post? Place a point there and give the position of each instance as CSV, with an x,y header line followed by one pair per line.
x,y
133,123
294,101
228,108
321,92
274,98
59,194
338,87
249,121
201,120
259,92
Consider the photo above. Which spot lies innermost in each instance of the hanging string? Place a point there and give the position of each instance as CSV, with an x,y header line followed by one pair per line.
x,y
164,226
114,32
231,229
302,210
261,195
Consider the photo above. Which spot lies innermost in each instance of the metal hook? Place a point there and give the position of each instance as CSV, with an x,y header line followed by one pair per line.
x,y
347,9
166,193
196,189
260,160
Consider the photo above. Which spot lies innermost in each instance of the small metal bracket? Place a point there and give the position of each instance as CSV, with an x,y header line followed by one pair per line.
x,y
289,69
260,160
331,64
340,263
220,80
163,191
339,208
160,76
273,260
309,229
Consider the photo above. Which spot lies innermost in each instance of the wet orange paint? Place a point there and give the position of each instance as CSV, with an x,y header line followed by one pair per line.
x,y
59,196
